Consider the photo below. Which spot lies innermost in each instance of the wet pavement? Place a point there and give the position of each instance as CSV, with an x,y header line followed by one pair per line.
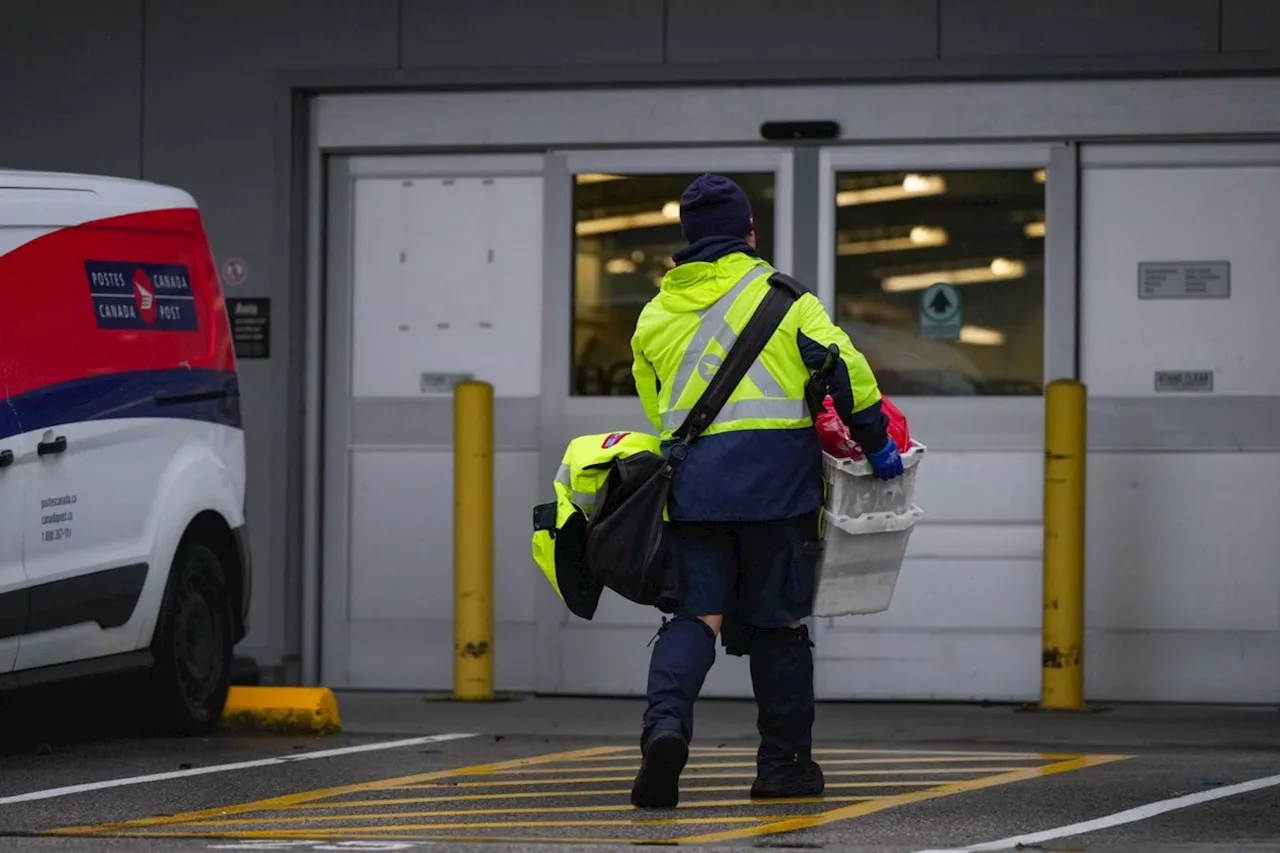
x,y
415,774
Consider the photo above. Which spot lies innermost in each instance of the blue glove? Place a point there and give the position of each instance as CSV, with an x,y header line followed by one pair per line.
x,y
887,463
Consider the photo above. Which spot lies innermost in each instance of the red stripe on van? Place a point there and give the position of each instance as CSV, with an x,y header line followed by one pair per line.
x,y
50,331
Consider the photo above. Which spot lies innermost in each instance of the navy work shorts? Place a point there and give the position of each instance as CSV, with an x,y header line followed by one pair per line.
x,y
764,572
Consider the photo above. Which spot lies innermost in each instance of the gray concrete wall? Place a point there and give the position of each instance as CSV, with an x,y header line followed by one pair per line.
x,y
187,92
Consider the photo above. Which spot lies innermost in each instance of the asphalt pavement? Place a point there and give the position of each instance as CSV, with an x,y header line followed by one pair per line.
x,y
409,772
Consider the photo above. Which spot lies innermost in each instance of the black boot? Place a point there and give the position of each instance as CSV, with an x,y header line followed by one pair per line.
x,y
657,785
782,679
682,655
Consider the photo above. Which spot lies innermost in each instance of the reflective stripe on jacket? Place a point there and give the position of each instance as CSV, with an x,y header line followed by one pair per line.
x,y
558,526
760,458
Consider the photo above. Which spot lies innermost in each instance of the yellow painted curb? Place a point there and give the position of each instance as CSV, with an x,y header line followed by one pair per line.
x,y
282,709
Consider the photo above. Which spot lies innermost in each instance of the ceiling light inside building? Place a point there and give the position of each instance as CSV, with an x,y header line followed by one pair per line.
x,y
1041,176
619,266
1000,269
912,186
921,237
623,222
1033,229
981,336
597,178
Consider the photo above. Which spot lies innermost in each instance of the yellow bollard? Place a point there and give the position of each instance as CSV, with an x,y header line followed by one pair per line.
x,y
473,541
1062,672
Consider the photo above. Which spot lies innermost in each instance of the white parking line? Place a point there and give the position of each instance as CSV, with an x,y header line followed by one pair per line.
x,y
50,793
1119,818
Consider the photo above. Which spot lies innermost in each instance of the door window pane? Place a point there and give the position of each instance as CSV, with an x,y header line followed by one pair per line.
x,y
977,234
626,228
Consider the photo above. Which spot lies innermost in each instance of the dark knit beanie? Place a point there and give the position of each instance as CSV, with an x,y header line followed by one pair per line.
x,y
714,206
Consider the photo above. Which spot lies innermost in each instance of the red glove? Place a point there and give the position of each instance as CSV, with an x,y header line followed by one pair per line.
x,y
834,435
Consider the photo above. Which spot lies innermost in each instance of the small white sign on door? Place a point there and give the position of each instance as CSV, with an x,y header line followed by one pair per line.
x,y
940,313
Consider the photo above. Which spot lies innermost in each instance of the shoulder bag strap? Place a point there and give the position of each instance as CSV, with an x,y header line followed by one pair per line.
x,y
745,350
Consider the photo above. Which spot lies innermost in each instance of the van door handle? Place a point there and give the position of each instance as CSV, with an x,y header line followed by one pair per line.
x,y
48,448
6,458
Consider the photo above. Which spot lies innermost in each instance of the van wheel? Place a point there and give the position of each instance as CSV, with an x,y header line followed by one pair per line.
x,y
192,644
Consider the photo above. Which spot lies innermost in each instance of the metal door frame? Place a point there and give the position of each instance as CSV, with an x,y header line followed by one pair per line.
x,y
329,517
975,423
566,416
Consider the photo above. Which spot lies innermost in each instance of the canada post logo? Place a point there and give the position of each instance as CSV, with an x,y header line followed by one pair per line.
x,y
613,438
155,297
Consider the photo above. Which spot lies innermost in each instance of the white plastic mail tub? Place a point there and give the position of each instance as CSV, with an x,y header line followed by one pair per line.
x,y
861,561
854,491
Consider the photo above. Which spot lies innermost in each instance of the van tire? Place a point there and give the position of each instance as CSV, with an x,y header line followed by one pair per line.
x,y
192,643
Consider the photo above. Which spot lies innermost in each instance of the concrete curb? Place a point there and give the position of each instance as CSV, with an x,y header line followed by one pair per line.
x,y
282,709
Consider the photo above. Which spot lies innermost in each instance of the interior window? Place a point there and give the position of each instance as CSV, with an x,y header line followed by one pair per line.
x,y
940,278
626,228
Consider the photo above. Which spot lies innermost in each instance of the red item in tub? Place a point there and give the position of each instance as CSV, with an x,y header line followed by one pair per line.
x,y
834,435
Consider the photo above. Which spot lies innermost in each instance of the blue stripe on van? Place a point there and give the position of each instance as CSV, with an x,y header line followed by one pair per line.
x,y
212,396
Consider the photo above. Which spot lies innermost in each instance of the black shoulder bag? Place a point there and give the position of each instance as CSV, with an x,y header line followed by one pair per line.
x,y
625,540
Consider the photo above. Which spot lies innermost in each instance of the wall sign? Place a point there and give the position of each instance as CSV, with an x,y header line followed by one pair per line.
x,y
940,312
441,383
1184,380
250,326
1184,280
234,271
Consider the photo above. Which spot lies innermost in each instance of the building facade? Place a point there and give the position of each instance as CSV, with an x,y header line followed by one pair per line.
x,y
423,190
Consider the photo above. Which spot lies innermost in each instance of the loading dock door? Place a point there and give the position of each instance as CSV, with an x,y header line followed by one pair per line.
x,y
434,274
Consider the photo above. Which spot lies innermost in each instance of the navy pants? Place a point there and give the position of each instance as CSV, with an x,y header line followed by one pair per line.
x,y
762,576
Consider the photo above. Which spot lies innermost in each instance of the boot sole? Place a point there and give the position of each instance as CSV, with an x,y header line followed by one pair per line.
x,y
658,784
776,794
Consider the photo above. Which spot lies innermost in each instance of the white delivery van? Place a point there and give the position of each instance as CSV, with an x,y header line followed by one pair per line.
x,y
122,471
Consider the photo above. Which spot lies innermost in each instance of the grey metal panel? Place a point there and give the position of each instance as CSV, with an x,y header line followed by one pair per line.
x,y
71,86
940,112
335,547
1077,27
766,31
1180,424
805,207
1062,265
1250,25
557,301
208,127
1196,423
410,422
1009,424
517,32
1177,156
954,69
303,257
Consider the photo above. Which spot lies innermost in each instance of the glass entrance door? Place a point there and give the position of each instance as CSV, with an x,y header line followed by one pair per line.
x,y
625,227
940,264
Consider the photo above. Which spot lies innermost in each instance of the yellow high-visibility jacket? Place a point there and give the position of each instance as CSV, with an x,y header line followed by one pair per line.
x,y
760,459
558,526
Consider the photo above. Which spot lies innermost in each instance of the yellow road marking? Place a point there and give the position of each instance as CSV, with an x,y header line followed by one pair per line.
x,y
290,800
604,792
584,780
511,839
216,822
799,822
750,750
716,765
705,804
521,824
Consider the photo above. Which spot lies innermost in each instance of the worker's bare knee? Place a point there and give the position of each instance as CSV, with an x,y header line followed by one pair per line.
x,y
715,623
